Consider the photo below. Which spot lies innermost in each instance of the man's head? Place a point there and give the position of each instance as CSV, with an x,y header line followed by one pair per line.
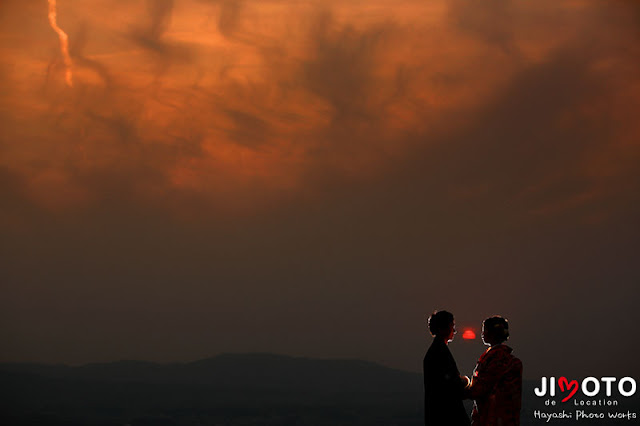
x,y
495,330
442,325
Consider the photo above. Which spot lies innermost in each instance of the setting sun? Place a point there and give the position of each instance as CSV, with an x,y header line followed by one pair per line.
x,y
468,334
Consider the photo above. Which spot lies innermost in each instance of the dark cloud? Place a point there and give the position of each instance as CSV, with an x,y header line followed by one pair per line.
x,y
229,17
342,65
247,129
77,48
159,18
492,22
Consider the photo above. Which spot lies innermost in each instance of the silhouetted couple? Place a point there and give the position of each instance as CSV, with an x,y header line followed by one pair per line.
x,y
496,385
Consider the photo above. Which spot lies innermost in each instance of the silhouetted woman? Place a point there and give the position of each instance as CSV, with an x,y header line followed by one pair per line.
x,y
496,385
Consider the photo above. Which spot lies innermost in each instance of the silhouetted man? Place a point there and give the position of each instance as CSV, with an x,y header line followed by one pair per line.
x,y
443,385
496,386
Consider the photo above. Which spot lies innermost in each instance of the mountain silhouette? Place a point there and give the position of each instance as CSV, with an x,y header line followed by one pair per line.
x,y
239,371
228,389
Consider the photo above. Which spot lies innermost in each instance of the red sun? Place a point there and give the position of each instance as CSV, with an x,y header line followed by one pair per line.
x,y
468,334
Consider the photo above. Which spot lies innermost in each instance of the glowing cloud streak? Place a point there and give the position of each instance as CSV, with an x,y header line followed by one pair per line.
x,y
64,42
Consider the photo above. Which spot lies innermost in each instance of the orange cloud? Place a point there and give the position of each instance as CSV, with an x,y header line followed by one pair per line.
x,y
224,99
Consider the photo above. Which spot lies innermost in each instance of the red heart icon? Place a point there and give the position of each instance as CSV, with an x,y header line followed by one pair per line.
x,y
564,383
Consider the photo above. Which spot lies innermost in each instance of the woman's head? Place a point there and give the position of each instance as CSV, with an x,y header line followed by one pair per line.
x,y
495,330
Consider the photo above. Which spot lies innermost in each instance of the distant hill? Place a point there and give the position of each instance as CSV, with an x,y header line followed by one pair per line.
x,y
240,371
229,389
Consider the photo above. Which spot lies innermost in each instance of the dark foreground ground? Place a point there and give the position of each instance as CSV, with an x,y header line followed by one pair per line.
x,y
254,389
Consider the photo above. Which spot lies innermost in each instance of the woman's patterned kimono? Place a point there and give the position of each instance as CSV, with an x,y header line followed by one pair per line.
x,y
496,388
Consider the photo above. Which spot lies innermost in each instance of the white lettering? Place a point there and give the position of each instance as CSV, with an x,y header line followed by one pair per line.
x,y
621,386
580,414
596,385
542,390
608,381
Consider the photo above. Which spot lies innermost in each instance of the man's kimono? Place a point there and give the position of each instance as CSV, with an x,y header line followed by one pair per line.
x,y
443,388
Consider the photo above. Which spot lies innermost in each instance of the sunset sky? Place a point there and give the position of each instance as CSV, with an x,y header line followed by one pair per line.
x,y
313,178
